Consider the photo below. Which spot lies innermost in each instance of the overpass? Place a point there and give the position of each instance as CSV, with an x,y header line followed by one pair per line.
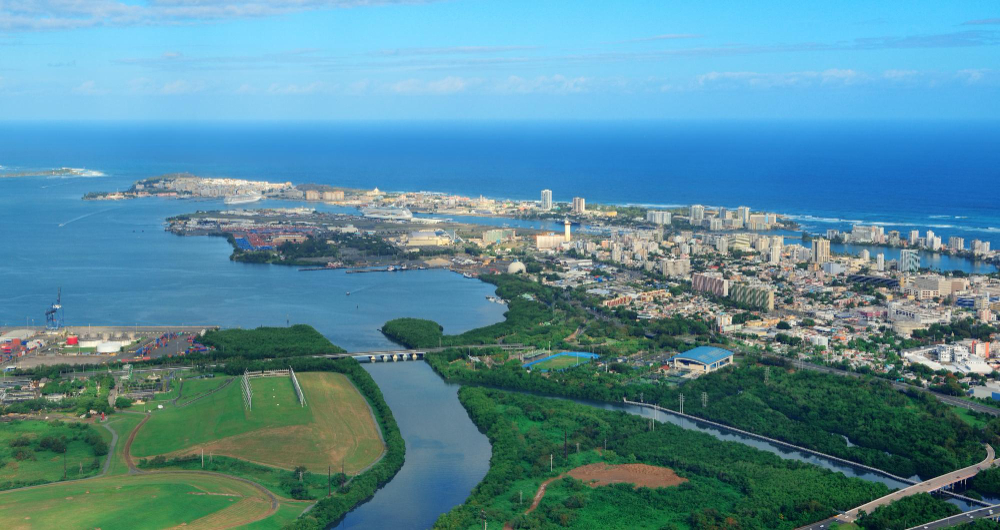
x,y
989,512
942,483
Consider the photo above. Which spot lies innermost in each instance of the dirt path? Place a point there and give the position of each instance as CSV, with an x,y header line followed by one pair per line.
x,y
541,493
127,451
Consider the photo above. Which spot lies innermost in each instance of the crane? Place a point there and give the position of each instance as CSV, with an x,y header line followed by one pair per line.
x,y
54,314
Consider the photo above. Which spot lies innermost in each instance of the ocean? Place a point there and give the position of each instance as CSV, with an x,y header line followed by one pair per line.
x,y
114,259
943,176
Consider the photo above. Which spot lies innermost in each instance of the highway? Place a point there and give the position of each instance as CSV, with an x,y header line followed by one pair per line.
x,y
963,518
926,486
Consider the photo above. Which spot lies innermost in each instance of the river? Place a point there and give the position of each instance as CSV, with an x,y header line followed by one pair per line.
x,y
446,456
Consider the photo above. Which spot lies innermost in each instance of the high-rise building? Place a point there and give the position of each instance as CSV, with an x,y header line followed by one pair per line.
x,y
743,212
755,296
658,217
880,262
909,260
547,200
956,243
711,282
914,237
697,214
676,268
579,205
821,250
566,224
865,255
775,257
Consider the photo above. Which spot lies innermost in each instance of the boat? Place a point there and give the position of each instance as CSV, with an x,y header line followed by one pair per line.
x,y
243,198
348,293
467,275
391,213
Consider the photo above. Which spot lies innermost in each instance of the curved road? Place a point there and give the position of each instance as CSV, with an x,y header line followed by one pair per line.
x,y
133,470
990,512
926,486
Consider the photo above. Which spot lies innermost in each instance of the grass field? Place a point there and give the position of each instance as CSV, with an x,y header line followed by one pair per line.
x,y
560,361
963,413
335,427
155,500
39,466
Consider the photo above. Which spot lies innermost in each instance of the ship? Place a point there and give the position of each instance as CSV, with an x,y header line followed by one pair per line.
x,y
391,213
243,198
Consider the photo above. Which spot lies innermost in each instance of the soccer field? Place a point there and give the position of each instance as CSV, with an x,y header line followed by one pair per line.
x,y
561,361
153,500
335,429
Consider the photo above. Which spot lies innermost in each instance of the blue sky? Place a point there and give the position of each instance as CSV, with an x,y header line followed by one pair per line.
x,y
498,59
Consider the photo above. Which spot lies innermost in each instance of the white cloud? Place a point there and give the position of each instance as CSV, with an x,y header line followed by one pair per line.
x,y
294,90
447,85
556,84
972,75
830,77
180,86
69,14
899,74
358,87
90,88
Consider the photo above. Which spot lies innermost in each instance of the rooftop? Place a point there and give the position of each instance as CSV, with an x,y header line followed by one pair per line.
x,y
704,354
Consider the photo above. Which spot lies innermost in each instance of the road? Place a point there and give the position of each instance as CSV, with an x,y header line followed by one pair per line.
x,y
926,486
962,518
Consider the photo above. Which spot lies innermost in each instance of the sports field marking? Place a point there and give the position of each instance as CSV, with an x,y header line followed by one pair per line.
x,y
336,428
151,500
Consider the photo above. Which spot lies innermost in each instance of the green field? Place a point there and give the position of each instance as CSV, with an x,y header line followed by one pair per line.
x,y
24,459
335,429
558,363
162,499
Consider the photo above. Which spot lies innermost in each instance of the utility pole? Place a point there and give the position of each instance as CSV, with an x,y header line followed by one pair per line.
x,y
565,448
682,403
520,499
329,481
767,374
550,463
203,459
704,399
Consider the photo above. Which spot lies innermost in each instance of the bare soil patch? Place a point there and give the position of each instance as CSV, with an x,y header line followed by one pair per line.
x,y
601,474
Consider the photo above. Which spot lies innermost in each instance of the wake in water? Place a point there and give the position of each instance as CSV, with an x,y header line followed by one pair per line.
x,y
84,216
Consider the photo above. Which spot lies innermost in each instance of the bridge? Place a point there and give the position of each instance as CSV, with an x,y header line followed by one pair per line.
x,y
946,481
943,483
989,512
375,356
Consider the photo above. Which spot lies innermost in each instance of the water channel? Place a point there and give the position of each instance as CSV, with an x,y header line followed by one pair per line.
x,y
446,456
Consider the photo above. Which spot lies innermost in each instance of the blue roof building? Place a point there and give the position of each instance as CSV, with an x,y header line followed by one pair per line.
x,y
703,359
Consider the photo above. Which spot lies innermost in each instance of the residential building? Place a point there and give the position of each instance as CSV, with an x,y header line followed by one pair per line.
x,y
547,200
909,260
756,296
697,214
710,282
579,205
658,217
821,250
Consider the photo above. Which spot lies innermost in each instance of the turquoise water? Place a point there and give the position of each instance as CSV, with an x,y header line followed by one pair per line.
x,y
116,265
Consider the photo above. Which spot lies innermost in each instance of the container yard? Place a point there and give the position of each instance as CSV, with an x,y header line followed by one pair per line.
x,y
26,347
